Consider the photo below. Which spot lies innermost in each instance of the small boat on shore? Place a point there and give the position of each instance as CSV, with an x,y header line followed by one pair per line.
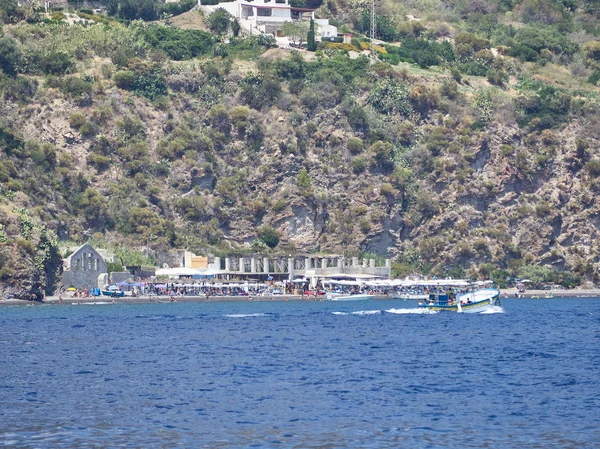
x,y
113,293
355,297
472,302
411,296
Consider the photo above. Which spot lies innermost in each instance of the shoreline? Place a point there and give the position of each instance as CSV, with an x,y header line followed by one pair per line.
x,y
541,294
504,294
155,299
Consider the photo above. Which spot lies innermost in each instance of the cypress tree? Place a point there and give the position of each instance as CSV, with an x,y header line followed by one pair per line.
x,y
311,45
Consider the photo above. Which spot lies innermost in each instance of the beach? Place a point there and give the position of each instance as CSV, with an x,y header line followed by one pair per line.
x,y
556,293
504,293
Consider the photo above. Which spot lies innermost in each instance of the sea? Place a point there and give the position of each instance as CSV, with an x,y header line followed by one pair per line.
x,y
300,374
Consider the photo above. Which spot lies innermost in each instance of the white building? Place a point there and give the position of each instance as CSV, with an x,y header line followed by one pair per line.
x,y
267,16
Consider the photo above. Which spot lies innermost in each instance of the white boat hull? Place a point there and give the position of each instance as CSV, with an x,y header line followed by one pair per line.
x,y
359,297
418,297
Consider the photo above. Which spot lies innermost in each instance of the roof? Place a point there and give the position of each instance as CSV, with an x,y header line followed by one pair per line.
x,y
78,250
278,6
350,276
186,272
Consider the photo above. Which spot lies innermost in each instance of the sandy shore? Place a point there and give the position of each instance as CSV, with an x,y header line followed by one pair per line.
x,y
504,293
574,293
156,299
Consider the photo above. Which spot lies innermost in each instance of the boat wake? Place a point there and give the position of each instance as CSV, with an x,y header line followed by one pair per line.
x,y
359,312
367,312
494,309
411,311
245,315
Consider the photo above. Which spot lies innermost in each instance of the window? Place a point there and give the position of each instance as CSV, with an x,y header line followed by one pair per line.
x,y
264,12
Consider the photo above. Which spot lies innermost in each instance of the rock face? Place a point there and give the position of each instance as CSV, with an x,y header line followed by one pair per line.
x,y
364,157
29,258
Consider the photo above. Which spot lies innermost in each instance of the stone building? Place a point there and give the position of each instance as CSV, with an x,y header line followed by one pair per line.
x,y
82,268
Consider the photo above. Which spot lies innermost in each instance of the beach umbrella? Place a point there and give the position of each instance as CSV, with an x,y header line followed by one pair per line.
x,y
71,289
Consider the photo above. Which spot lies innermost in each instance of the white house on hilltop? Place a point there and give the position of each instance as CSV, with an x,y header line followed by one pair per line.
x,y
267,16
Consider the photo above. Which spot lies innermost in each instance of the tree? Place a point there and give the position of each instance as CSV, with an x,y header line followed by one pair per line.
x,y
10,11
219,21
311,44
9,55
235,27
303,179
296,30
537,275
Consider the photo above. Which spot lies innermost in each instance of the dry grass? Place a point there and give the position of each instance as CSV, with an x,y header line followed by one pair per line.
x,y
191,20
561,76
274,54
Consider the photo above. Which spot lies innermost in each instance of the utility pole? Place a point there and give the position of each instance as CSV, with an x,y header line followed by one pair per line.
x,y
373,20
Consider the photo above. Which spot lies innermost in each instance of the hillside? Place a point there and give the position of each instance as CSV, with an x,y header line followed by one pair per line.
x,y
465,143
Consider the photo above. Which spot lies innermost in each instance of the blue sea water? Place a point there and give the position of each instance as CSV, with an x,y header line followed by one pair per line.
x,y
361,374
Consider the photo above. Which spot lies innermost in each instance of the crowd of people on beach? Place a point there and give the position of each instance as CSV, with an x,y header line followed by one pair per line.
x,y
208,290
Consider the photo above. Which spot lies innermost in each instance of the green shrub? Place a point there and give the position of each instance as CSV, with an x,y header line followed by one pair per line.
x,y
176,8
19,89
593,167
359,165
260,91
7,170
9,55
57,63
303,179
423,52
98,161
355,145
547,106
389,96
151,84
382,155
76,120
76,87
239,116
88,129
124,79
467,44
11,143
177,43
594,77
449,89
496,77
269,236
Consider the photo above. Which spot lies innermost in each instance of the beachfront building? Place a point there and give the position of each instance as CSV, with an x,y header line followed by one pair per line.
x,y
83,267
262,268
268,16
187,264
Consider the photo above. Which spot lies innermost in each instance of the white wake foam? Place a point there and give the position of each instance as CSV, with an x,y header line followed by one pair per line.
x,y
494,309
366,312
244,315
339,313
410,311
